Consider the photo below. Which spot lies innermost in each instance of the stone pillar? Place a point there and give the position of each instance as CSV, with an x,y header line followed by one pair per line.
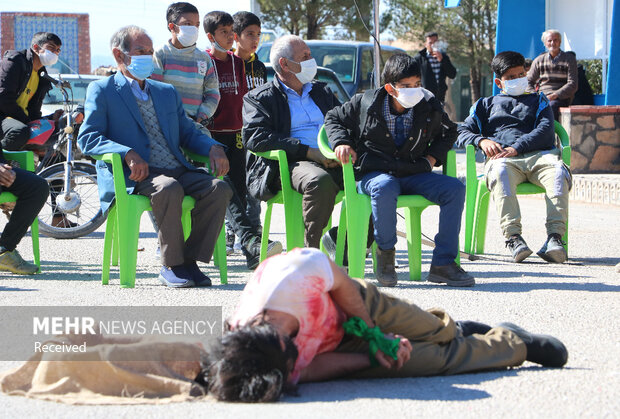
x,y
594,133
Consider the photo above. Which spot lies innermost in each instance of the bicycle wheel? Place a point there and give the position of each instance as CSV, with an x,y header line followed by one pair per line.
x,y
88,216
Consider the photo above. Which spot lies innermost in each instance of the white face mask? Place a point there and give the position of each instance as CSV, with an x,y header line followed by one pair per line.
x,y
187,35
47,57
308,71
515,87
408,97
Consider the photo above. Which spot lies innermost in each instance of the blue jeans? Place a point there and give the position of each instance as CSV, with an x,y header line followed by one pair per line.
x,y
446,191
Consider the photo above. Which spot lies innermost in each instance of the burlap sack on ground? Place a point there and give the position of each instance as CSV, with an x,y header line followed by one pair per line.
x,y
104,375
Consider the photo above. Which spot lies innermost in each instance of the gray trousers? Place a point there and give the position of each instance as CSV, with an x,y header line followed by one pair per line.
x,y
319,187
166,189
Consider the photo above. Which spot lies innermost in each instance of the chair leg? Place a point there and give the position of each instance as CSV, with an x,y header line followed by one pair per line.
x,y
108,243
413,220
326,229
470,208
34,232
219,257
481,216
264,241
127,248
342,234
357,235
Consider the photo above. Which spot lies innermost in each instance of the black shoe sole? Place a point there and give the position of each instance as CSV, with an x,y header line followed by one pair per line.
x,y
554,256
521,256
451,283
545,350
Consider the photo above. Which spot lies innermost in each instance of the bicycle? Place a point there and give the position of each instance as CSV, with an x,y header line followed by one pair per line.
x,y
73,208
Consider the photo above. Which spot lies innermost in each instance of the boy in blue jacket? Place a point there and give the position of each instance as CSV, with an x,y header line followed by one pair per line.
x,y
515,130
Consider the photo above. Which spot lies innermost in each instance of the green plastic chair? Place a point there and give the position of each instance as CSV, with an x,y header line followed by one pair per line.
x,y
477,196
25,159
358,212
123,226
292,201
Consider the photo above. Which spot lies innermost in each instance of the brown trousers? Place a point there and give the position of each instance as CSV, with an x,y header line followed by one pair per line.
x,y
166,189
319,187
438,345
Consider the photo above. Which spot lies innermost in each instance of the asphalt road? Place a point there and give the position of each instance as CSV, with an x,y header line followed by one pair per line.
x,y
577,302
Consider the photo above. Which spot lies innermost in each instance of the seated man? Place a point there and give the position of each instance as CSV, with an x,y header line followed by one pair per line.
x,y
515,130
145,122
23,85
554,73
287,114
395,135
31,192
289,328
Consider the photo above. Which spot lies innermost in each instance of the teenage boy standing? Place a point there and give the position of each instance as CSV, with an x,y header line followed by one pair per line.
x,y
180,63
226,128
247,30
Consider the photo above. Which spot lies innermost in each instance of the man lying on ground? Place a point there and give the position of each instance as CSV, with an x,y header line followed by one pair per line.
x,y
290,327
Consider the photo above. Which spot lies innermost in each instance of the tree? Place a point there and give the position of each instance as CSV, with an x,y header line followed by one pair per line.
x,y
308,18
469,30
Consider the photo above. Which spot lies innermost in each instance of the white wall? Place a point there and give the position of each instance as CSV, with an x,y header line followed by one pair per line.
x,y
585,25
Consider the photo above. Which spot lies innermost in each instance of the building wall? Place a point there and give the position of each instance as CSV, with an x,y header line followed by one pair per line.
x,y
17,29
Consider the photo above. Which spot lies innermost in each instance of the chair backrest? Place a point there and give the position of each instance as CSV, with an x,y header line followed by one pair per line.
x,y
25,159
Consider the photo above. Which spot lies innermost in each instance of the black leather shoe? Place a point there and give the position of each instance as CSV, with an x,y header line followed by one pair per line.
x,y
541,349
199,278
469,327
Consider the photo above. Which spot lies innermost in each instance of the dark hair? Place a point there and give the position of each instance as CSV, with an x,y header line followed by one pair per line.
x,y
506,60
215,19
248,365
243,20
398,67
42,38
429,34
175,10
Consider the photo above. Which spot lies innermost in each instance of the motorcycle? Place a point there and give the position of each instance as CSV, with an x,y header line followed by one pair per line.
x,y
73,208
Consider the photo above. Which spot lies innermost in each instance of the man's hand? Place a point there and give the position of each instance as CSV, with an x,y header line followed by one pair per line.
x,y
552,96
403,354
508,152
56,115
219,161
432,160
490,147
315,155
437,54
7,175
343,152
139,168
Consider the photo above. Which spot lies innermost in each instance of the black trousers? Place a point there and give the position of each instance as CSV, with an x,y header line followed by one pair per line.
x,y
31,191
14,134
236,213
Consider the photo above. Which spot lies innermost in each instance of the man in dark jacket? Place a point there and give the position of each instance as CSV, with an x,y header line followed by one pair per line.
x,y
435,66
287,114
23,86
395,135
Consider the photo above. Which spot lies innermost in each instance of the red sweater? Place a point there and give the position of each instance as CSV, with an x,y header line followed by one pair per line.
x,y
233,86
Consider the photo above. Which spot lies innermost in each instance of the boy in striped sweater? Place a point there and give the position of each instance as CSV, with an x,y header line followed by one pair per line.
x,y
190,70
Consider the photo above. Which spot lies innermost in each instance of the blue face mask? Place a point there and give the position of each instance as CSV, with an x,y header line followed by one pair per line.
x,y
141,66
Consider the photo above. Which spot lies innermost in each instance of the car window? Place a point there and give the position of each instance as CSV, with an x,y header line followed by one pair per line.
x,y
340,59
367,69
78,87
325,76
335,87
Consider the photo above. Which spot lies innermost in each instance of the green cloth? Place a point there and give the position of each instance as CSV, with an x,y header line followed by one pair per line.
x,y
375,338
